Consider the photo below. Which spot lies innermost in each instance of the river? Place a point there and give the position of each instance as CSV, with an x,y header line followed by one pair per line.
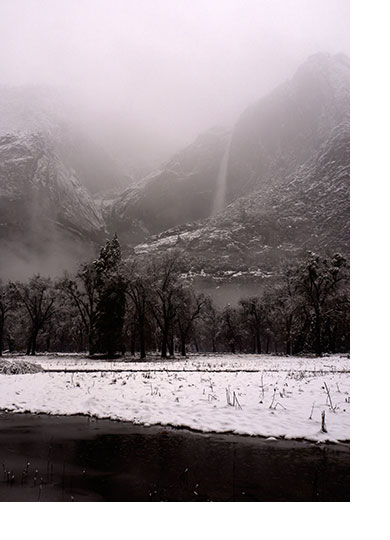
x,y
77,458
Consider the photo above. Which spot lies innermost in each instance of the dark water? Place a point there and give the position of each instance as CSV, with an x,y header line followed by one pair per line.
x,y
80,459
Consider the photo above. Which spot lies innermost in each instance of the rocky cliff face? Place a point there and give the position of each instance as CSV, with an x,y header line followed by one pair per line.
x,y
46,111
48,173
48,220
287,178
283,130
182,191
274,223
37,187
239,200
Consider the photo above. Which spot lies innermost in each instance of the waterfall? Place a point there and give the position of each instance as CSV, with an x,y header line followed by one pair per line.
x,y
220,194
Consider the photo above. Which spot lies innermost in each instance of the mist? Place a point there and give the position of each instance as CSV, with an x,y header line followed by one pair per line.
x,y
149,76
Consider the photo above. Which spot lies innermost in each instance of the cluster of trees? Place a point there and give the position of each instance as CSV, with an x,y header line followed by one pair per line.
x,y
112,306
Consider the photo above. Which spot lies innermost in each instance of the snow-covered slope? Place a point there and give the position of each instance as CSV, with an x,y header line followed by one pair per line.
x,y
48,220
286,180
35,184
309,210
181,191
49,111
284,129
273,186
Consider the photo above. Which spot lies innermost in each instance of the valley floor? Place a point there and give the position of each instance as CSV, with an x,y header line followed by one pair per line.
x,y
262,395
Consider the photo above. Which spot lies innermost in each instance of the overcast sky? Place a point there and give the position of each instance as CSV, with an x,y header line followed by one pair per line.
x,y
174,67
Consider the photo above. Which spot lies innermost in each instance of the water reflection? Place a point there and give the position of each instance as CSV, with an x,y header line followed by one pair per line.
x,y
79,459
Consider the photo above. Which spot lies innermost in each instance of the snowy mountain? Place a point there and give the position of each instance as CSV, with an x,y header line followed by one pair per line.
x,y
181,191
48,111
48,220
286,179
275,222
286,128
237,200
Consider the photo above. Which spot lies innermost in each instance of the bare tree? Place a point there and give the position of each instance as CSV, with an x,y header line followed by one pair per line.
x,y
230,328
166,296
188,311
138,290
319,279
37,298
83,292
210,322
285,309
253,313
5,307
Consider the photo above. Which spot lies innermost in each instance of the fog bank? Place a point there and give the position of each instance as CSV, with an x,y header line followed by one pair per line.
x,y
155,73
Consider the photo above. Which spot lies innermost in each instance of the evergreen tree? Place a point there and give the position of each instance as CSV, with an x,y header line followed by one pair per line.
x,y
111,303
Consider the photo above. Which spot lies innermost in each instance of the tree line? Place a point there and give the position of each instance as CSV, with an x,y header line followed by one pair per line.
x,y
144,306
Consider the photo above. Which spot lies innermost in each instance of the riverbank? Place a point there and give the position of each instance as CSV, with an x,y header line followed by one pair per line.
x,y
282,397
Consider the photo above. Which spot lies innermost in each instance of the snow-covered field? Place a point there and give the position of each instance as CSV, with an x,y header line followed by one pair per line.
x,y
246,394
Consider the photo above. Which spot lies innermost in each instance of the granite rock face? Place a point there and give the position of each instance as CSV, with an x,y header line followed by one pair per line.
x,y
48,219
236,200
287,178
